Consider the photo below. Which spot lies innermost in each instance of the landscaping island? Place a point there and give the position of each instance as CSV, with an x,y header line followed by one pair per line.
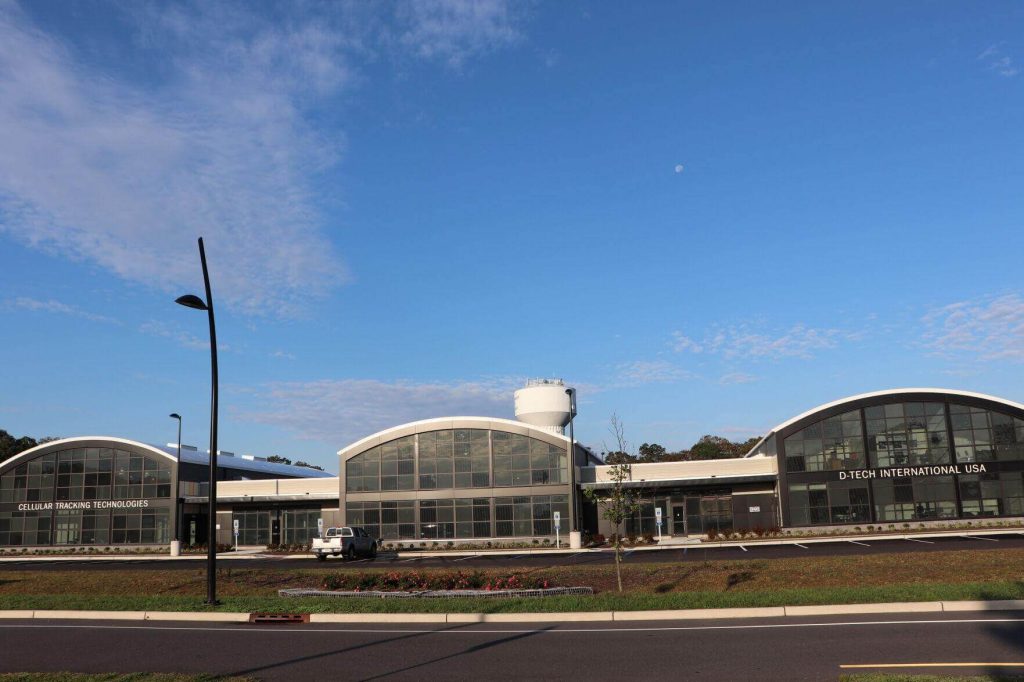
x,y
903,577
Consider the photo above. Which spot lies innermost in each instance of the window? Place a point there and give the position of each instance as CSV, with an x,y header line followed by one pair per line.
x,y
992,494
523,461
834,502
902,434
473,518
437,519
913,499
528,516
828,445
298,526
472,458
253,526
982,435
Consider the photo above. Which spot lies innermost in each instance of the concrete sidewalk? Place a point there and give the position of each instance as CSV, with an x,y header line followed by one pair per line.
x,y
542,617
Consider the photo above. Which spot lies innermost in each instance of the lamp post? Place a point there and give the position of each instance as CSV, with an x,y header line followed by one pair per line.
x,y
574,536
177,487
192,301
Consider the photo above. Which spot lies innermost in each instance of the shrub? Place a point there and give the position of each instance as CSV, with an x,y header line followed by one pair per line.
x,y
649,538
712,534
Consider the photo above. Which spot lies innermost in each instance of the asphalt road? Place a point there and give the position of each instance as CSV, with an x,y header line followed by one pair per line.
x,y
755,649
682,554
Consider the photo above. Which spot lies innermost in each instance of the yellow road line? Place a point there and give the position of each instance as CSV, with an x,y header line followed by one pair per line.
x,y
934,665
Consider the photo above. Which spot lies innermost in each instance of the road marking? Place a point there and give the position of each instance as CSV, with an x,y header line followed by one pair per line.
x,y
862,544
934,665
626,554
927,542
518,556
972,537
415,558
276,631
576,555
799,545
471,556
743,548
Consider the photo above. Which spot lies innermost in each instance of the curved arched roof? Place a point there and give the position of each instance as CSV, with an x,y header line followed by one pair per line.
x,y
188,456
84,441
441,423
894,393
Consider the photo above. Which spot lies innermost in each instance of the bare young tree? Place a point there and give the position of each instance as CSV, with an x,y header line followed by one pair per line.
x,y
619,502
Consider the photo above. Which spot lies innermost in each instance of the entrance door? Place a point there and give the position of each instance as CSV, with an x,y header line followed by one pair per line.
x,y
275,531
678,520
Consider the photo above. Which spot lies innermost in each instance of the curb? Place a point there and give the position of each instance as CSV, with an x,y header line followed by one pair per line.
x,y
573,617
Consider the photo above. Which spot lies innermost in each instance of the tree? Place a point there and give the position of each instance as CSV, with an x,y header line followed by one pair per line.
x,y
619,457
278,459
619,502
300,463
11,446
651,452
712,447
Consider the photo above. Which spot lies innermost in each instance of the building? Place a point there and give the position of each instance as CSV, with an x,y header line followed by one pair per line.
x,y
99,490
890,458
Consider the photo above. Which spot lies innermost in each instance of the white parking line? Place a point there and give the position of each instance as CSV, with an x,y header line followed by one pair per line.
x,y
927,542
743,548
576,555
799,545
415,558
471,556
862,544
626,554
972,537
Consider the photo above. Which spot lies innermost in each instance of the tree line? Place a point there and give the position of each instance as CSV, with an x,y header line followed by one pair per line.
x,y
708,447
11,446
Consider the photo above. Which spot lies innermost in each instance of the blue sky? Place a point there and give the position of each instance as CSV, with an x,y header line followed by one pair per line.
x,y
707,216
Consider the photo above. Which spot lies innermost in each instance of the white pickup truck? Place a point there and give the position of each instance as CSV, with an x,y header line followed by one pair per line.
x,y
346,541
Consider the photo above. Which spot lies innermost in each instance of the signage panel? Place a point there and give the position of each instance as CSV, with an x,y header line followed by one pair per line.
x,y
912,471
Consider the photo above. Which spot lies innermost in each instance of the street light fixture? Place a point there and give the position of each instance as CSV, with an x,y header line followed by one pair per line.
x,y
177,486
191,301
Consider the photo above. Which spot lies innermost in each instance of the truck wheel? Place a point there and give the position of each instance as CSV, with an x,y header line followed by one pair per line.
x,y
321,557
373,551
350,553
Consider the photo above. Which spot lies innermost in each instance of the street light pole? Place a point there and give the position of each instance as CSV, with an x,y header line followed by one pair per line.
x,y
572,460
192,301
177,485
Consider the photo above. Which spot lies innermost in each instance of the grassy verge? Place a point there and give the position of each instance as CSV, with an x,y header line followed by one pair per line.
x,y
607,601
924,576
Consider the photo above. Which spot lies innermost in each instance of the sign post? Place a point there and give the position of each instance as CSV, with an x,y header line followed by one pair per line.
x,y
657,518
558,527
235,525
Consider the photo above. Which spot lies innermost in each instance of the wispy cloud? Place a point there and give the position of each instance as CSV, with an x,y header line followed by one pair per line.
x,y
995,59
454,30
986,329
743,341
736,378
342,411
222,135
283,355
178,336
57,308
641,372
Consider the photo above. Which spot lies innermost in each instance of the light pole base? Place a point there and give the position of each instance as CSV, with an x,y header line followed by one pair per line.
x,y
575,540
175,547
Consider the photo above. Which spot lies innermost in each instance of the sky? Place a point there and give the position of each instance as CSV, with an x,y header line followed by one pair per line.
x,y
708,217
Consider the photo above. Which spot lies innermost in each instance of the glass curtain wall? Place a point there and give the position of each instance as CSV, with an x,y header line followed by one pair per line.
x,y
457,458
93,480
904,434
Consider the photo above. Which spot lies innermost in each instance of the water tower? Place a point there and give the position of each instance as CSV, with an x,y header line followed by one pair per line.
x,y
545,404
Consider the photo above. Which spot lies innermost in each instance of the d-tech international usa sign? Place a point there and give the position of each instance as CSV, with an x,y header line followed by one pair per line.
x,y
907,472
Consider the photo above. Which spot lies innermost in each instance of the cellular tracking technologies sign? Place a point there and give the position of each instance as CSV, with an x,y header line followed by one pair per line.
x,y
906,472
85,504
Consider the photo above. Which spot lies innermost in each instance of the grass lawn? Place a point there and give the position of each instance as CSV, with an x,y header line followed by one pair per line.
x,y
915,576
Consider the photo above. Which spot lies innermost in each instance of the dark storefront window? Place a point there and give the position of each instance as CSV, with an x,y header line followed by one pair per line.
x,y
996,494
915,499
473,518
253,526
299,526
833,502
